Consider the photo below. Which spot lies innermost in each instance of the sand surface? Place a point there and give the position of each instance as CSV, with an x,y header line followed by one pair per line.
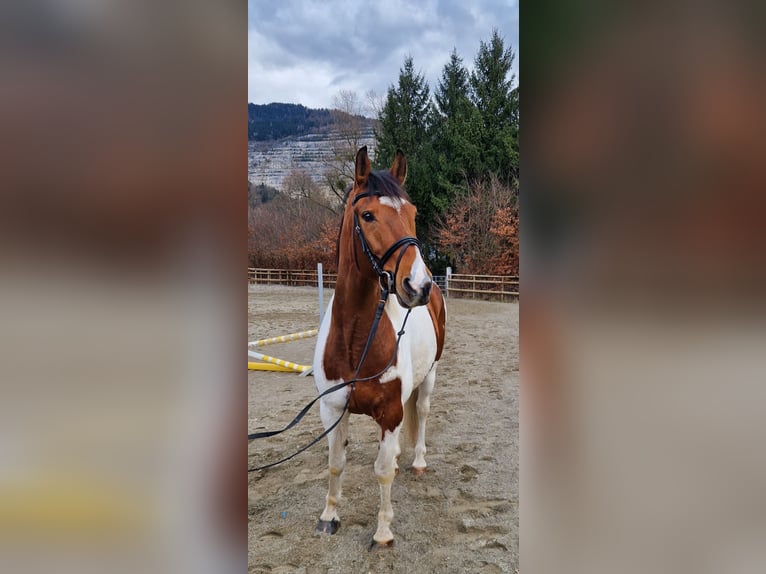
x,y
462,516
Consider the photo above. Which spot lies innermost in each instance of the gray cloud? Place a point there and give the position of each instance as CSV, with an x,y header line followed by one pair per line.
x,y
306,51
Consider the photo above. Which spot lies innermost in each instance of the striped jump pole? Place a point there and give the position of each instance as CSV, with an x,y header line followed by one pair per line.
x,y
253,366
273,360
283,338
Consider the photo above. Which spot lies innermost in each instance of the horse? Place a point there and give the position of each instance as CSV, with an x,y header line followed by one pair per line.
x,y
394,364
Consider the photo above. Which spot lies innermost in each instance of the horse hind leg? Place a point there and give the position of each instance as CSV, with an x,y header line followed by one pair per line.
x,y
329,522
423,406
385,471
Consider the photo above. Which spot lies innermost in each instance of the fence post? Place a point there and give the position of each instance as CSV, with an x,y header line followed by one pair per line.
x,y
446,281
320,286
502,289
503,285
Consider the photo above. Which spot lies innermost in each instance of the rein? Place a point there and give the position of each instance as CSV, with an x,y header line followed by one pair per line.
x,y
352,382
387,283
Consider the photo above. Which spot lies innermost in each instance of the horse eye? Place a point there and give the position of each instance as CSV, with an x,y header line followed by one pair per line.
x,y
367,216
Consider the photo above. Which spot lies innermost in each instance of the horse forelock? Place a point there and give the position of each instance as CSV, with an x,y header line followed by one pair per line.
x,y
379,183
382,184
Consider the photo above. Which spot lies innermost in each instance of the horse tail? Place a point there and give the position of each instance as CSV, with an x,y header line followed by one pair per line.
x,y
410,418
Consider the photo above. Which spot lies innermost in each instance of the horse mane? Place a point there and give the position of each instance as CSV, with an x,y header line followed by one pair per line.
x,y
380,183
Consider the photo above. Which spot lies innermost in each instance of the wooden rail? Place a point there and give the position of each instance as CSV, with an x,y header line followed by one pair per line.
x,y
487,287
291,277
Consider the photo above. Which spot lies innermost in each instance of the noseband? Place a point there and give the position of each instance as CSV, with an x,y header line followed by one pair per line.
x,y
387,280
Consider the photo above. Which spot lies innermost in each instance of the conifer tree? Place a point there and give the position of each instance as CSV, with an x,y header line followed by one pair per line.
x,y
457,128
497,101
405,123
404,117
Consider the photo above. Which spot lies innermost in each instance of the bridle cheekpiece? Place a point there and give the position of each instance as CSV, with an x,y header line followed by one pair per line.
x,y
386,278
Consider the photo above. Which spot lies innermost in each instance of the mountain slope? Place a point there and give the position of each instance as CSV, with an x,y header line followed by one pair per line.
x,y
275,121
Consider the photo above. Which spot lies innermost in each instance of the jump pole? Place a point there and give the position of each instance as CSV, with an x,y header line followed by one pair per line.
x,y
274,364
252,366
287,364
283,338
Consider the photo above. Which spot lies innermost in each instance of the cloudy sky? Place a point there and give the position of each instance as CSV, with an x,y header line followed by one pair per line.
x,y
306,51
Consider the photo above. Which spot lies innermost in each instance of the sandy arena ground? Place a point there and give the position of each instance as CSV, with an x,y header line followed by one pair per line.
x,y
462,516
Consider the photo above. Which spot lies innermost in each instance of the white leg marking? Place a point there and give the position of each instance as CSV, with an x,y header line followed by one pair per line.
x,y
385,472
423,407
337,458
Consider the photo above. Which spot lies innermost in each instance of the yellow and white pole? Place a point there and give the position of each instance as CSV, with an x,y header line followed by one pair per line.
x,y
252,366
283,338
287,364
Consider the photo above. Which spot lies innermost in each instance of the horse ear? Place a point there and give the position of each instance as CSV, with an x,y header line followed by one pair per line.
x,y
362,169
399,167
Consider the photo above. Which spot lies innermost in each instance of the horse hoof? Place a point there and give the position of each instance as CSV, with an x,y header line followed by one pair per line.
x,y
379,546
419,471
327,526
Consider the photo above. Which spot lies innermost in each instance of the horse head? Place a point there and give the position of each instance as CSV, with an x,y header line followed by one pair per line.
x,y
384,221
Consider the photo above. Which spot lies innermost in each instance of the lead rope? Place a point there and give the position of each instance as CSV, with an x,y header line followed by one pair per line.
x,y
352,383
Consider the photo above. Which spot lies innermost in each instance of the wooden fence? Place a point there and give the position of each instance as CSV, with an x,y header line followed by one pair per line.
x,y
486,287
292,277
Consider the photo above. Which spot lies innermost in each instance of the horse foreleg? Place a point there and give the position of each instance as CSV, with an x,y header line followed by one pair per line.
x,y
329,522
423,407
385,471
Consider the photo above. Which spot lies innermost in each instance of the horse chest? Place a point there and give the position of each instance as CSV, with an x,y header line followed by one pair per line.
x,y
381,401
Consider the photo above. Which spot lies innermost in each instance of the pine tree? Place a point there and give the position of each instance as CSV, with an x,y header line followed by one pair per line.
x,y
497,101
452,92
404,117
405,123
457,128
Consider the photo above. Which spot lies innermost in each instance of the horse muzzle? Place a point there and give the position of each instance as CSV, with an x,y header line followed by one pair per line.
x,y
411,295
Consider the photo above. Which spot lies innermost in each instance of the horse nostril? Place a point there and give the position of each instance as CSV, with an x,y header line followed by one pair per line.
x,y
421,294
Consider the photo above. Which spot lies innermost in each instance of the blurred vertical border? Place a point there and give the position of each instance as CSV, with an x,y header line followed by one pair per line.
x,y
122,293
643,280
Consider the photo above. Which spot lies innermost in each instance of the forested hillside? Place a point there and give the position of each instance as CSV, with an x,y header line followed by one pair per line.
x,y
266,122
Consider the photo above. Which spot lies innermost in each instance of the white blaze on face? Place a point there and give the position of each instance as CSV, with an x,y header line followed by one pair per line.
x,y
418,274
394,202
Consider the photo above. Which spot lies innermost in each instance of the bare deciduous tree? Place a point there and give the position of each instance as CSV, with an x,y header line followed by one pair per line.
x,y
303,190
347,139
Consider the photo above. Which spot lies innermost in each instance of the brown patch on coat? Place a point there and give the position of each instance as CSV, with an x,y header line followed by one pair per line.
x,y
438,317
381,401
345,344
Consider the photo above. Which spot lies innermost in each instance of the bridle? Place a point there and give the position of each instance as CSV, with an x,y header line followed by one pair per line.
x,y
386,279
387,284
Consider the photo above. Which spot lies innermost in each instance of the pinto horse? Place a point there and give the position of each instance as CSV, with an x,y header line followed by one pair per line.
x,y
377,253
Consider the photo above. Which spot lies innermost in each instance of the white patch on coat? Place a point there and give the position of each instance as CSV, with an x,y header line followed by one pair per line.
x,y
415,356
417,347
390,374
